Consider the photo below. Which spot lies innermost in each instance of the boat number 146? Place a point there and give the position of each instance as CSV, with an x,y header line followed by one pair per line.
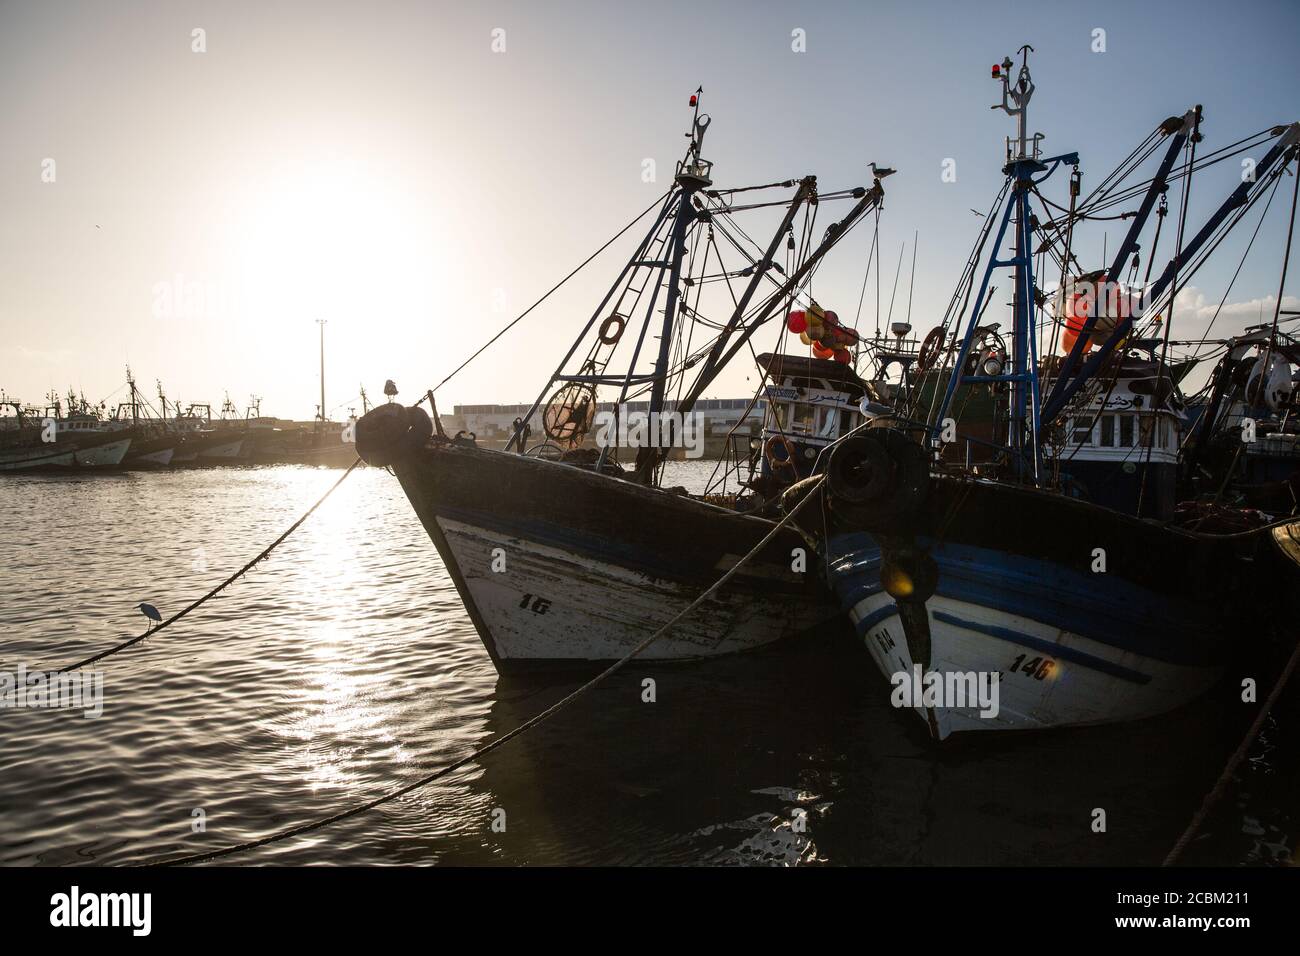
x,y
538,605
1036,667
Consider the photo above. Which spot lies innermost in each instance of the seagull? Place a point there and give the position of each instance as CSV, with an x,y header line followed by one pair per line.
x,y
151,612
880,172
977,212
390,389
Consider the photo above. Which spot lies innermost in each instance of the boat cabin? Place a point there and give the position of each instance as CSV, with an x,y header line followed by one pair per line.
x,y
810,403
1120,448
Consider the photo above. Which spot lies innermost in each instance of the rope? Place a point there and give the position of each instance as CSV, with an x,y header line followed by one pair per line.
x,y
499,741
1225,778
517,319
220,587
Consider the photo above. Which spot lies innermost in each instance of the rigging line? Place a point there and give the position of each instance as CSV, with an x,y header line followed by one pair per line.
x,y
762,381
955,310
897,271
682,349
515,321
1123,170
911,285
878,276
1230,770
504,738
1156,423
875,235
220,587
1281,285
1226,292
1138,189
747,255
1220,234
1206,161
718,193
823,197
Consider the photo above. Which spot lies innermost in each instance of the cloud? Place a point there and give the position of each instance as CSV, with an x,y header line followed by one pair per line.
x,y
1192,304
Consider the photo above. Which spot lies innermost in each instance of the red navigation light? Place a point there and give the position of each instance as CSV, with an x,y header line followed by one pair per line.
x,y
997,71
693,99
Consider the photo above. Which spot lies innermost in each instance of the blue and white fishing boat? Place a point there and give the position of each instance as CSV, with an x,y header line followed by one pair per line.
x,y
1042,583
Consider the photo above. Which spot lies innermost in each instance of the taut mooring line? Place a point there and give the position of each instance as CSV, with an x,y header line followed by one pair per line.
x,y
220,587
499,741
1238,756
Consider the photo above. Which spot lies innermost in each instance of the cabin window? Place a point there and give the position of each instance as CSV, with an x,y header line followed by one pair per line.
x,y
1080,432
1107,431
826,429
801,418
1144,430
1126,431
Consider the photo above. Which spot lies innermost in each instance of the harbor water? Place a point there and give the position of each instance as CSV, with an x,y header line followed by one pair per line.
x,y
345,666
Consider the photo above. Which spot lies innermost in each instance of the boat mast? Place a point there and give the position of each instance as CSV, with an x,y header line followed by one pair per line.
x,y
692,176
135,402
1023,162
321,416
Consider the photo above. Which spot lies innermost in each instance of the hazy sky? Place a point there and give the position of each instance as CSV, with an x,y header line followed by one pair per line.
x,y
379,166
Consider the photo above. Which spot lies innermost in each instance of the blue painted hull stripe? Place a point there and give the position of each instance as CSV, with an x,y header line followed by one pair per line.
x,y
1108,611
1057,651
875,617
1046,647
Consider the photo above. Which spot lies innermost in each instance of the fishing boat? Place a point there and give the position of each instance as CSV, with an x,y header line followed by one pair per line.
x,y
998,591
205,441
569,555
50,440
1244,445
152,445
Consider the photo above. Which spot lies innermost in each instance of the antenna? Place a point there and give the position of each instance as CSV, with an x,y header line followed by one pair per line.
x,y
1019,94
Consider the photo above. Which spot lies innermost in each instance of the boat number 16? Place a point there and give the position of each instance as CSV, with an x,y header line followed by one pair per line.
x,y
538,605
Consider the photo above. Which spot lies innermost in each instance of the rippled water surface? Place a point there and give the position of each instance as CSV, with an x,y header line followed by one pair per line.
x,y
345,666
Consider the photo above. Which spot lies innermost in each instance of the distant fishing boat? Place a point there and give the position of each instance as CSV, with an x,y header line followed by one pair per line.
x,y
562,555
1077,596
49,440
152,446
203,442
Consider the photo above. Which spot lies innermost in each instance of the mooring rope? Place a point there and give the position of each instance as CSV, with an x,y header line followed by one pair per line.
x,y
1213,797
220,587
505,738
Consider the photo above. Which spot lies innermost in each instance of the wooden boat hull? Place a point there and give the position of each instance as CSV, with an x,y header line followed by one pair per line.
x,y
224,448
149,453
1085,615
559,565
66,456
